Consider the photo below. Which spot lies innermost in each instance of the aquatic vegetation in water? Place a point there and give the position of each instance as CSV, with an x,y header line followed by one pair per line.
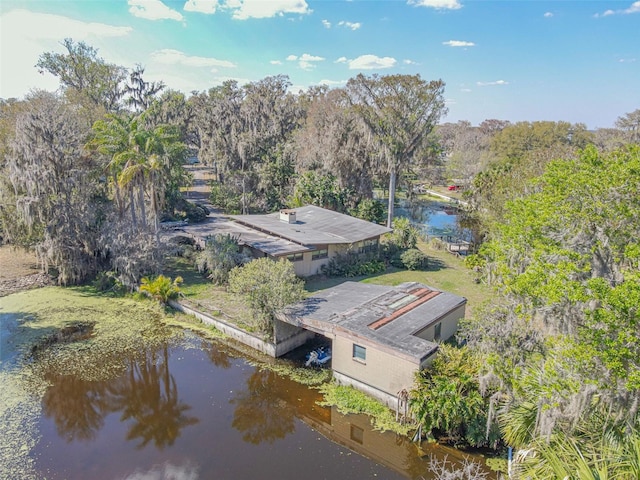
x,y
70,332
349,400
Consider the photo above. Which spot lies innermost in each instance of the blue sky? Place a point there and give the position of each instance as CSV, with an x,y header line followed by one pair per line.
x,y
514,60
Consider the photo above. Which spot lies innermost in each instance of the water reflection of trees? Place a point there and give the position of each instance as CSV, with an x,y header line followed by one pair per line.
x,y
147,396
261,414
217,356
78,407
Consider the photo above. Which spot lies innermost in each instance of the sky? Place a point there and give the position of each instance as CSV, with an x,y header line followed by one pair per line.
x,y
516,60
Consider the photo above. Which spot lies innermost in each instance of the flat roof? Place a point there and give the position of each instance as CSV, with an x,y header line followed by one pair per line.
x,y
388,316
314,226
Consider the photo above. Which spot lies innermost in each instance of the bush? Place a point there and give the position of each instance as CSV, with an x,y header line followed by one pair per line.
x,y
414,259
221,253
225,198
371,210
404,234
353,265
161,288
267,286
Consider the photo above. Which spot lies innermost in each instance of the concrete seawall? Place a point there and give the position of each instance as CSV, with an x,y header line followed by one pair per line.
x,y
293,340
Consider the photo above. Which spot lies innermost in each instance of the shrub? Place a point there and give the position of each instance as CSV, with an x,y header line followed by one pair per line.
x,y
353,265
221,253
267,286
225,198
414,259
371,210
161,288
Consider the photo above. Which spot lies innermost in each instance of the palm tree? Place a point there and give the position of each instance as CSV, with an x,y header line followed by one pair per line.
x,y
143,161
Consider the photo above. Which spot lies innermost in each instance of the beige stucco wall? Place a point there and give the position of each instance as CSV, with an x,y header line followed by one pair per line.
x,y
307,266
449,324
383,371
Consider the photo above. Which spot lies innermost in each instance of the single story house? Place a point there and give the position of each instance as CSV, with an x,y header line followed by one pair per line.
x,y
380,335
308,236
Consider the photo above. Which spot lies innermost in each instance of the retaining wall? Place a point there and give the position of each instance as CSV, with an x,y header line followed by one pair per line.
x,y
294,340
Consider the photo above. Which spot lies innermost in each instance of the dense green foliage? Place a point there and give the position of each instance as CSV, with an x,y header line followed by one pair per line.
x,y
447,402
161,288
219,256
563,347
267,286
414,259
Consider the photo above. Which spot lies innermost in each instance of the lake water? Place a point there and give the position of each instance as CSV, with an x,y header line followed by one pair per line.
x,y
194,412
436,219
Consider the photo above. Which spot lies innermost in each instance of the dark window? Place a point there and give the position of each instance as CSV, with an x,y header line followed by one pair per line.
x,y
437,332
294,257
320,253
368,245
359,353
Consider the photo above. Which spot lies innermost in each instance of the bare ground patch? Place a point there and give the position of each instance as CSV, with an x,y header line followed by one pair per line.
x,y
19,271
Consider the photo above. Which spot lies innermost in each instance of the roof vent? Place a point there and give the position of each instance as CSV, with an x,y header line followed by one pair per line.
x,y
288,216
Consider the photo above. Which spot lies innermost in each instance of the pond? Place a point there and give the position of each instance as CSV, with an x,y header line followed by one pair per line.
x,y
436,219
188,408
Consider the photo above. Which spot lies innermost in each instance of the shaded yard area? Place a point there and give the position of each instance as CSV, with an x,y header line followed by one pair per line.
x,y
199,292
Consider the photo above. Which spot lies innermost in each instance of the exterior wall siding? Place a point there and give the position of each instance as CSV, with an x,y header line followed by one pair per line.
x,y
449,324
381,370
307,266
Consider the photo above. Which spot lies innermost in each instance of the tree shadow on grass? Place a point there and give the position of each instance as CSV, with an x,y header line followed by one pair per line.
x,y
435,265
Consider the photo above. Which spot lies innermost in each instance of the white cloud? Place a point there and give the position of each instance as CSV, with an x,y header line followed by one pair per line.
x,y
488,84
34,33
275,62
244,9
201,6
341,60
153,10
175,57
459,43
326,23
634,8
371,62
409,62
305,61
351,25
548,15
437,4
627,60
332,82
466,90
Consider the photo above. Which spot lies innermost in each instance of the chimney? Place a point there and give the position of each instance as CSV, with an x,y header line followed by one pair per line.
x,y
288,216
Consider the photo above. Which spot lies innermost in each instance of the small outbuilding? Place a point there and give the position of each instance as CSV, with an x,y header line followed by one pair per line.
x,y
381,335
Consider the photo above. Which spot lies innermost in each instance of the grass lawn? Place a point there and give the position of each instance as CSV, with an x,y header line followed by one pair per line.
x,y
445,272
198,291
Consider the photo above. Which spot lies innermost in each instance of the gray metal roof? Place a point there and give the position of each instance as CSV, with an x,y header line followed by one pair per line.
x,y
219,224
353,307
315,226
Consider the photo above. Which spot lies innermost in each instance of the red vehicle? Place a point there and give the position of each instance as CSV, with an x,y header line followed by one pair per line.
x,y
455,188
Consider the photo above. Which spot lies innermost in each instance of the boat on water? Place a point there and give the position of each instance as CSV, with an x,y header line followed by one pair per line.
x,y
318,357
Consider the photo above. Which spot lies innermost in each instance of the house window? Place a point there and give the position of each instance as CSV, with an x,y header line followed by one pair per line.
x,y
295,257
359,353
368,245
437,332
357,434
320,253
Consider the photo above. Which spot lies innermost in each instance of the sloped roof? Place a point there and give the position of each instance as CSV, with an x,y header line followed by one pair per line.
x,y
388,316
314,226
